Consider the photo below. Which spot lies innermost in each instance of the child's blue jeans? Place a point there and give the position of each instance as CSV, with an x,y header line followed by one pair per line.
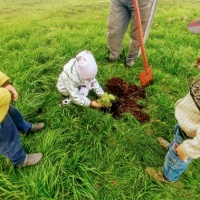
x,y
10,141
174,166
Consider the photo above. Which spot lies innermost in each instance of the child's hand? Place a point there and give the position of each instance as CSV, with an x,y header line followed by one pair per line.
x,y
180,153
95,104
13,92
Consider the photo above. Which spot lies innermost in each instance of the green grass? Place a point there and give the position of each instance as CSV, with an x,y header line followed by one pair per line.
x,y
88,154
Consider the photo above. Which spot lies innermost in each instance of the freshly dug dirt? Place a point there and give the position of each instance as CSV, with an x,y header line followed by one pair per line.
x,y
126,101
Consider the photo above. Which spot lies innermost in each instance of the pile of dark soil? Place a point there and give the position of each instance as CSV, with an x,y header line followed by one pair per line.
x,y
126,99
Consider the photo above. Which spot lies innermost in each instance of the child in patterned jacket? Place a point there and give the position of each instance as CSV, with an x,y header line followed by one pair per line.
x,y
186,143
77,78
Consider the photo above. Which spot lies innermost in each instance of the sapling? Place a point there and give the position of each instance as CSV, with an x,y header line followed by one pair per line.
x,y
106,100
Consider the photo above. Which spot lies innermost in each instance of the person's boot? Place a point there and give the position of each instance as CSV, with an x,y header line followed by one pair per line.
x,y
32,159
37,127
129,62
163,143
156,175
65,102
112,60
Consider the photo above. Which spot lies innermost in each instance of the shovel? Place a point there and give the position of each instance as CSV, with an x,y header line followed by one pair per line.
x,y
146,77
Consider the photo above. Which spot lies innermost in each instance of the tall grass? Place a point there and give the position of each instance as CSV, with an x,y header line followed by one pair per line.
x,y
88,154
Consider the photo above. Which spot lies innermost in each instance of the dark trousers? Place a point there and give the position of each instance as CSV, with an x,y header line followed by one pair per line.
x,y
10,142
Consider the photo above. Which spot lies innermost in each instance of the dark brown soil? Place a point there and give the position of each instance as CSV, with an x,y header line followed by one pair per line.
x,y
126,99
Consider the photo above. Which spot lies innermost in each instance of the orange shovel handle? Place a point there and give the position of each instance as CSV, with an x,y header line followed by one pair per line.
x,y
140,34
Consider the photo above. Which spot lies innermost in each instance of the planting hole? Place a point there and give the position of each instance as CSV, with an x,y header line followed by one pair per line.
x,y
127,97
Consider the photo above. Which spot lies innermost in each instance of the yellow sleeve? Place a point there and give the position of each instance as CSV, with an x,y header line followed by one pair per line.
x,y
3,78
5,98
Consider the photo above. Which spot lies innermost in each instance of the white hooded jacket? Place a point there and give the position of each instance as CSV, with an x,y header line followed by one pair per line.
x,y
69,82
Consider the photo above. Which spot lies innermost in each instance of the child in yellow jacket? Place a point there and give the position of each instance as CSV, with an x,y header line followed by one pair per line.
x,y
11,124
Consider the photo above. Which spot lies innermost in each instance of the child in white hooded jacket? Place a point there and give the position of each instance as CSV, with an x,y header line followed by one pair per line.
x,y
77,78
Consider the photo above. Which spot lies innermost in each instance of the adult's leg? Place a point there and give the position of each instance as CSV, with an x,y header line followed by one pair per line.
x,y
18,120
144,8
118,20
174,166
10,142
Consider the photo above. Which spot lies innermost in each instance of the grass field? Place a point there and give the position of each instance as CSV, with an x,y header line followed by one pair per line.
x,y
89,154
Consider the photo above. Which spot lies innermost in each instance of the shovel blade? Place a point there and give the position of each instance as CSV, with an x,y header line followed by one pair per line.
x,y
146,77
